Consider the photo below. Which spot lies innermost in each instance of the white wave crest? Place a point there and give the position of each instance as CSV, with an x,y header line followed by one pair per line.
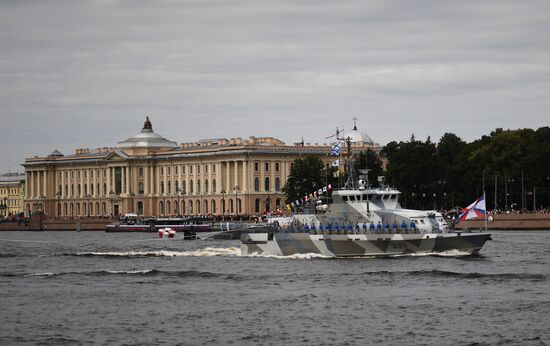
x,y
449,253
206,252
42,274
146,271
298,256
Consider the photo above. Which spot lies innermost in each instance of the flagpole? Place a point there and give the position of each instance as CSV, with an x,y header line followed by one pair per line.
x,y
485,200
486,212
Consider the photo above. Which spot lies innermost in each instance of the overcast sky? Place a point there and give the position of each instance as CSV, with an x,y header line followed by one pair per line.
x,y
78,74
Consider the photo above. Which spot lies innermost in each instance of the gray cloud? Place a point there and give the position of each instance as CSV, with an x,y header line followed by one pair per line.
x,y
85,74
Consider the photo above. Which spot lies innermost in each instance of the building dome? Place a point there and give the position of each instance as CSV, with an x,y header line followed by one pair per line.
x,y
357,136
147,139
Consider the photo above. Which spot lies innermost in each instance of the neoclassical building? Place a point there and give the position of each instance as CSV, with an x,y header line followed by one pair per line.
x,y
12,191
150,175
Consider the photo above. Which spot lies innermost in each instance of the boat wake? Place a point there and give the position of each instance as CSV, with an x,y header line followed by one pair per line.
x,y
206,252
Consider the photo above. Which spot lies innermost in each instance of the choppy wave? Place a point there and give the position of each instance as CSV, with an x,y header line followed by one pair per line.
x,y
139,273
435,273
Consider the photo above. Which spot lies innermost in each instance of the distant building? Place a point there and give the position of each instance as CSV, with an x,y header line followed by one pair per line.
x,y
12,193
150,175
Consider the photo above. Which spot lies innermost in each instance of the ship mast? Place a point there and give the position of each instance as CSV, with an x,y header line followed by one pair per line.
x,y
351,181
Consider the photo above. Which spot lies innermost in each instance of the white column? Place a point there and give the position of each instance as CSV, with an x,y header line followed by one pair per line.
x,y
27,179
261,163
129,180
46,183
272,176
108,180
122,180
245,176
146,183
227,176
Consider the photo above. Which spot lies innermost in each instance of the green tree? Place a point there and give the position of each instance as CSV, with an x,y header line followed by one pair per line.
x,y
308,174
371,161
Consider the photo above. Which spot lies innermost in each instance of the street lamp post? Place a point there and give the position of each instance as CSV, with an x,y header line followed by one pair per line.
x,y
223,203
112,200
88,205
236,188
178,206
506,182
58,207
132,195
139,211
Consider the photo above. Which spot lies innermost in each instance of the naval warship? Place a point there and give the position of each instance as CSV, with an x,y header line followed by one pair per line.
x,y
361,220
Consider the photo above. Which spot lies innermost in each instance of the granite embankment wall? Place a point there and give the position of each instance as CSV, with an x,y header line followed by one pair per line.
x,y
38,224
534,221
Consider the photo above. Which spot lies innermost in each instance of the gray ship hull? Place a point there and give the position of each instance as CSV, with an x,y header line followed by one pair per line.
x,y
353,245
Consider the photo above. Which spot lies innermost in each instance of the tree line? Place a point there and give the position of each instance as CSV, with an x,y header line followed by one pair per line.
x,y
513,166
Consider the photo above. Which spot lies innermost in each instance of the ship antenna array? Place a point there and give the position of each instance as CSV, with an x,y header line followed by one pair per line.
x,y
351,181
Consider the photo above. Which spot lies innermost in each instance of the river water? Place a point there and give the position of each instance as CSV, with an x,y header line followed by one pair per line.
x,y
89,288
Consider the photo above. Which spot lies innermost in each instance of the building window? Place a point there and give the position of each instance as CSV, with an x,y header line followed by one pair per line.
x,y
257,205
177,186
85,189
198,186
169,187
256,166
104,189
277,184
278,203
183,187
168,173
256,184
162,187
182,169
214,184
267,184
176,170
206,169
91,189
85,174
161,170
190,169
198,170
277,167
72,190
140,171
190,186
206,186
267,166
213,168
141,188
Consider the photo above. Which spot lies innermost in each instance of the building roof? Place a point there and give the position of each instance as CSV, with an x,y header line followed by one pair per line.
x,y
357,136
12,177
147,138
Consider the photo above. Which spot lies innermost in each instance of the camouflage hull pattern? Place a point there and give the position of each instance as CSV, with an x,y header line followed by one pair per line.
x,y
353,245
